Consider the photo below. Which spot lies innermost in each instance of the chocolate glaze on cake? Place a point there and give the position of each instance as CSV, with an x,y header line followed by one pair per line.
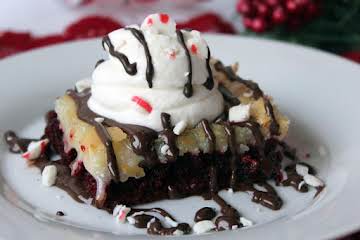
x,y
188,90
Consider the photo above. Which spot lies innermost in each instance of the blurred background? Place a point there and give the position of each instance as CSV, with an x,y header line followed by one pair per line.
x,y
331,25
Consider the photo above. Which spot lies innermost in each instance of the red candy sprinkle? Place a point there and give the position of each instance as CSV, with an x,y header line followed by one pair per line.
x,y
172,55
83,148
150,22
164,18
193,49
71,134
26,155
142,103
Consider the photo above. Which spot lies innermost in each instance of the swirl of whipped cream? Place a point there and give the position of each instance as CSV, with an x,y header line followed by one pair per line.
x,y
116,93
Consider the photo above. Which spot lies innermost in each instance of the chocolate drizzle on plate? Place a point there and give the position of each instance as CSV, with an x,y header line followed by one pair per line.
x,y
16,144
188,89
257,93
205,213
130,68
149,68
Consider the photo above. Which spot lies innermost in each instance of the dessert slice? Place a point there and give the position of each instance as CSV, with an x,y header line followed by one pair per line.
x,y
162,119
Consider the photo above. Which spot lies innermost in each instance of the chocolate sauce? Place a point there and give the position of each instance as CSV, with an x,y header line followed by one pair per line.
x,y
60,214
16,144
205,213
156,228
227,223
149,68
257,93
169,137
130,68
295,180
225,208
142,220
154,225
228,96
188,89
268,198
99,62
209,84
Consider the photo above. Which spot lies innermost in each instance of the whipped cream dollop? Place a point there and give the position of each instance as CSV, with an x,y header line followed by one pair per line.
x,y
153,69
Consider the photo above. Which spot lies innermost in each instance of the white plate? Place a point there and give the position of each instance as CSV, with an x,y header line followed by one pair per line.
x,y
317,90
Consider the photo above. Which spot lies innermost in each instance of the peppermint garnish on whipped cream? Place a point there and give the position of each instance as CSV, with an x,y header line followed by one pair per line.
x,y
167,69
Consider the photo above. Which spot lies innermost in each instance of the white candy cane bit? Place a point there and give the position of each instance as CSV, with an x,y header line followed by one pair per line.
x,y
178,232
300,185
131,220
239,113
87,201
150,222
180,127
35,149
99,119
313,181
121,212
83,84
171,222
246,222
302,169
164,149
48,176
203,226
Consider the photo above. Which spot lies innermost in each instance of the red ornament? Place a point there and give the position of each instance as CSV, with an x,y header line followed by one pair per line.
x,y
262,15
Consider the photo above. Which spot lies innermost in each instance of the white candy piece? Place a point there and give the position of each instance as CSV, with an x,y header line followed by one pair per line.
x,y
178,232
48,176
180,127
301,184
246,222
301,169
313,181
35,149
239,113
121,212
99,119
83,84
159,23
203,226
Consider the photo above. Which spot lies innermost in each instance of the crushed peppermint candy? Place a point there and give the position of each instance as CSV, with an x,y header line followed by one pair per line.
x,y
142,104
302,169
86,201
180,127
313,181
121,212
48,175
164,149
35,149
203,226
99,119
239,113
82,85
246,222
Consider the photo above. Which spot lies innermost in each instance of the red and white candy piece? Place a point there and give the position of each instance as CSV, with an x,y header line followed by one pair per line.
x,y
120,212
159,23
35,149
196,44
142,104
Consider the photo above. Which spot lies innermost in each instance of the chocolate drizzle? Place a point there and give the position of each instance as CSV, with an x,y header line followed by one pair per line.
x,y
169,137
257,93
209,84
228,96
130,68
16,144
153,224
205,213
232,147
188,89
99,62
149,68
